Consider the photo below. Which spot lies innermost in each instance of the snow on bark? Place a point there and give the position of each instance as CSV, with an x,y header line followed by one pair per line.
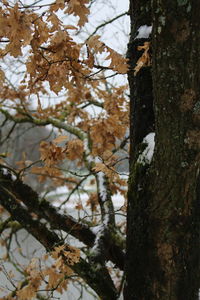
x,y
144,32
146,156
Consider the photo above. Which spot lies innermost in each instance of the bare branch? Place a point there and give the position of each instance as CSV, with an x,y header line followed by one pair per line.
x,y
106,23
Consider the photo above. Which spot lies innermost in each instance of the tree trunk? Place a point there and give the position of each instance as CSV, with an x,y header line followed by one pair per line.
x,y
163,248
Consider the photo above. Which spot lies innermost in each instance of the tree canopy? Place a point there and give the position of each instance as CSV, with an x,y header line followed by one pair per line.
x,y
58,73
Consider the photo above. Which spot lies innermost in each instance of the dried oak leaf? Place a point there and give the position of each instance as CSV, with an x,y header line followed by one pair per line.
x,y
145,59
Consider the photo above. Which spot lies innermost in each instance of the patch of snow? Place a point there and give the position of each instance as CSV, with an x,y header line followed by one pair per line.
x,y
144,32
7,172
87,150
100,231
95,250
146,156
97,228
60,194
24,206
13,177
117,199
101,186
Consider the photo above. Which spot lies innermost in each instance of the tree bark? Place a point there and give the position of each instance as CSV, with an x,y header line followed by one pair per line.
x,y
163,253
141,123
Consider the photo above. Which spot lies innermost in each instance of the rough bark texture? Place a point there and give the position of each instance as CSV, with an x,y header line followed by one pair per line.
x,y
163,247
141,123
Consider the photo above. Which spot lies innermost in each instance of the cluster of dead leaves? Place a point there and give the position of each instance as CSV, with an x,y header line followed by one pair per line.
x,y
104,133
55,276
16,26
75,7
117,62
52,155
65,254
54,55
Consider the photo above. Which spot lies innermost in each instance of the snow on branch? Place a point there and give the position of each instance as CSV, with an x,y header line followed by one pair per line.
x,y
87,150
8,172
107,215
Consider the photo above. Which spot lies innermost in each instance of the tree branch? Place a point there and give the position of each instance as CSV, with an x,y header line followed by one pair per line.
x,y
43,122
44,210
106,23
96,275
